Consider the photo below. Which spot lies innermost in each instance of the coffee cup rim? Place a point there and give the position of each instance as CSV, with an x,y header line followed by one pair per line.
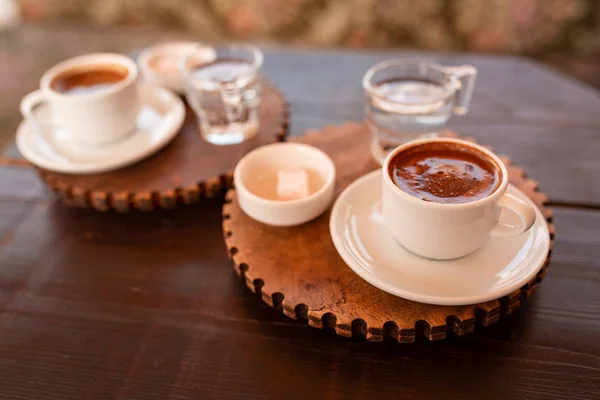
x,y
413,143
100,59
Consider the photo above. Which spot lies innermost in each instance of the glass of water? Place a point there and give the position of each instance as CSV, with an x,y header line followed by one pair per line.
x,y
409,99
225,92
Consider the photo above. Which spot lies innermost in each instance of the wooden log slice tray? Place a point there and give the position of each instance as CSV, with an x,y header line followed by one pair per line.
x,y
185,171
298,270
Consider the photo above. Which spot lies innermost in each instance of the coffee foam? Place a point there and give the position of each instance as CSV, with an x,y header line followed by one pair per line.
x,y
89,78
445,172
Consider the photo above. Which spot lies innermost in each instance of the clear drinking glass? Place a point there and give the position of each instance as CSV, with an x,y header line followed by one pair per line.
x,y
409,99
225,92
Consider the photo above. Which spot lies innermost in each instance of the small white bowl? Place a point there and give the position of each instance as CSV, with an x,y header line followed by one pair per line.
x,y
258,169
160,64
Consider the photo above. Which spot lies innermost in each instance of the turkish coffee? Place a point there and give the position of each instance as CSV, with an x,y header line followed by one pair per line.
x,y
86,81
445,172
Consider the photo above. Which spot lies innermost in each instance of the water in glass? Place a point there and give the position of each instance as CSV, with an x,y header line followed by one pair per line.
x,y
225,94
413,99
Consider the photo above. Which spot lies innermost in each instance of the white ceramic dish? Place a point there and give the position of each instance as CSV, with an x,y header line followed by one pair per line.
x,y
259,168
159,121
499,267
449,231
90,117
160,64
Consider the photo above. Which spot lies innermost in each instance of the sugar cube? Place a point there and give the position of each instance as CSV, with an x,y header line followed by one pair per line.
x,y
292,184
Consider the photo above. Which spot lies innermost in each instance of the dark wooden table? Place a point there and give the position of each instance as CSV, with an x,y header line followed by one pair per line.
x,y
147,306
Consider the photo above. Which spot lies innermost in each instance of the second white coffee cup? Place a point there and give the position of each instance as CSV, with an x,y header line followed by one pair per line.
x,y
89,118
447,231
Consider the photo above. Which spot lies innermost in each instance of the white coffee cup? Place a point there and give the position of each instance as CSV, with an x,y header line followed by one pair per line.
x,y
89,118
447,231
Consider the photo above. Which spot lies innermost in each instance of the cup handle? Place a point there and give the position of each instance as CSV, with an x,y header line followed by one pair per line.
x,y
524,211
31,101
466,75
28,104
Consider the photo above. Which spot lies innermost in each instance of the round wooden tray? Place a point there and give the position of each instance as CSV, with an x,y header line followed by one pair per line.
x,y
298,270
183,172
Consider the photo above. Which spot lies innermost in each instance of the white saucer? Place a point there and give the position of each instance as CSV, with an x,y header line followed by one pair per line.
x,y
159,121
498,268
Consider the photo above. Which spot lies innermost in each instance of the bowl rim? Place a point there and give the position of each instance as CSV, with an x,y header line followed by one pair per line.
x,y
241,187
166,48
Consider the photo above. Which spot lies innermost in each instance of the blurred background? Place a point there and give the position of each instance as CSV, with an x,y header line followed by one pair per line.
x,y
38,33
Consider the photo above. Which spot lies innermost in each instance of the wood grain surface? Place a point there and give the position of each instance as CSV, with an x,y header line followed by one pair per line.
x,y
185,171
298,269
146,305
